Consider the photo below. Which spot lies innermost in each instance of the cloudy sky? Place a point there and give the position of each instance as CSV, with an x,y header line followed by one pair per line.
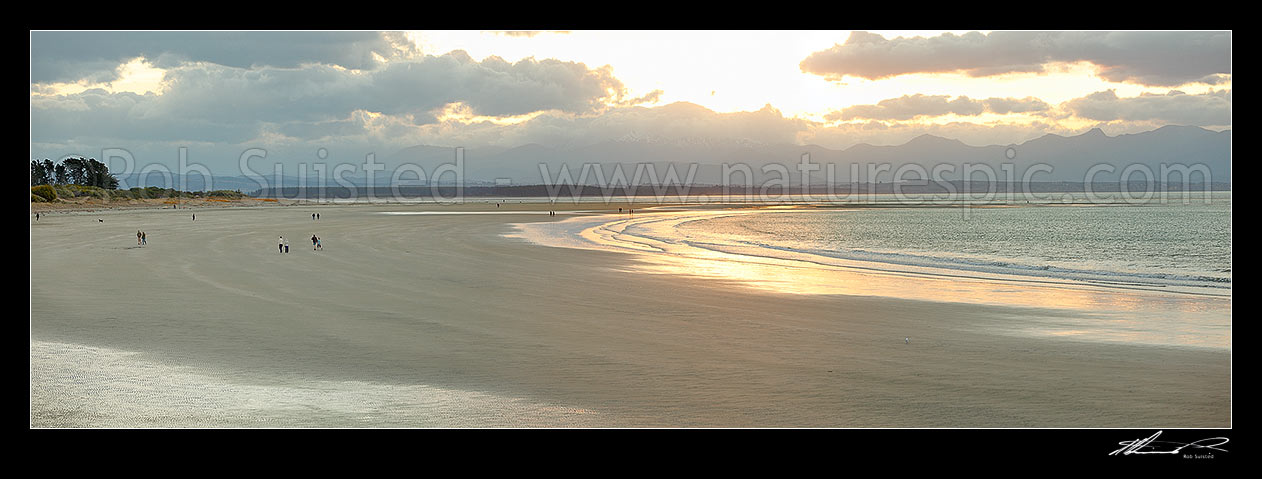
x,y
353,93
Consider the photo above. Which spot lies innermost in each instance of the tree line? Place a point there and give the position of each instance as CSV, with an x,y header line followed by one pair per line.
x,y
72,171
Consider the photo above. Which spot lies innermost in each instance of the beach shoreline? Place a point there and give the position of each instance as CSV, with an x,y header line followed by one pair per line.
x,y
446,301
93,205
652,238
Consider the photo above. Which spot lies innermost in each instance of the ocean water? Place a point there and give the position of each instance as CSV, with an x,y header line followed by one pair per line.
x,y
1161,246
1166,245
1155,273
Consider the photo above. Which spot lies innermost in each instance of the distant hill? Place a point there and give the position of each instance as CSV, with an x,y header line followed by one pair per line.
x,y
1070,158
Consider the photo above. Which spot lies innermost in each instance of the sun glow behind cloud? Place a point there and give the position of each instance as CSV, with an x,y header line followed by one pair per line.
x,y
748,84
136,76
461,112
725,71
722,71
743,71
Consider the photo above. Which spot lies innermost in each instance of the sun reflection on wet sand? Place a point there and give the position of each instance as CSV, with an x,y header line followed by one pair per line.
x,y
1113,312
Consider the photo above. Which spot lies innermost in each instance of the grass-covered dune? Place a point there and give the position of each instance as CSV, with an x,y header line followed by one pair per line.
x,y
76,197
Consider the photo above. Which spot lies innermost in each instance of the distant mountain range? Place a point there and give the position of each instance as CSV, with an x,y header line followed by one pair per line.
x,y
1070,157
1070,160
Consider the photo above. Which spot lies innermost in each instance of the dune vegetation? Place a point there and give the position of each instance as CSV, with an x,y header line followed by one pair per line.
x,y
79,181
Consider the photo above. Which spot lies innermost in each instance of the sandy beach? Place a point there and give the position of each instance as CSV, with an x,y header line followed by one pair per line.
x,y
439,320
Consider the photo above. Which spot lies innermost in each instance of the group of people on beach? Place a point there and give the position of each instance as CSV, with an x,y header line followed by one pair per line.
x,y
282,244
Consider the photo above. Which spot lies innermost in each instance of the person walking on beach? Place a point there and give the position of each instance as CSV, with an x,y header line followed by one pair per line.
x,y
317,216
144,238
137,237
194,216
280,244
286,246
313,242
312,216
36,216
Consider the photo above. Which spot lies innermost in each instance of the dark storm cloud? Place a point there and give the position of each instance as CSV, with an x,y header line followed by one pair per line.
x,y
211,102
1146,58
1015,105
493,87
72,56
1208,109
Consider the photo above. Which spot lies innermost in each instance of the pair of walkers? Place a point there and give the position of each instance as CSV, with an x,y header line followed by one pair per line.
x,y
282,244
141,238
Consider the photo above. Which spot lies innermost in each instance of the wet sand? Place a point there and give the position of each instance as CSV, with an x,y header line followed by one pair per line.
x,y
440,321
